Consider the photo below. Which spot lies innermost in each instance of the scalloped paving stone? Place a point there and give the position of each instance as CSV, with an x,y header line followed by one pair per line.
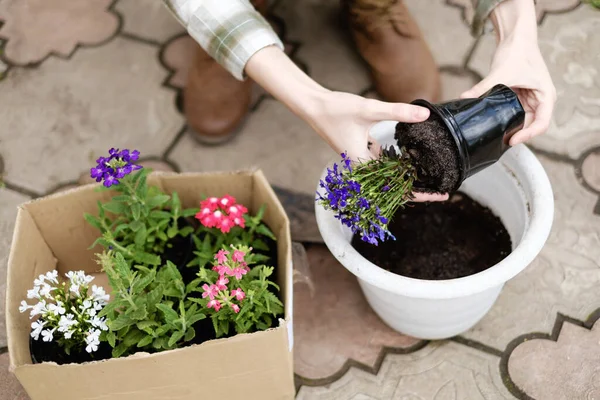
x,y
568,42
35,29
333,323
590,169
565,276
9,201
10,388
440,371
148,19
289,152
545,369
105,97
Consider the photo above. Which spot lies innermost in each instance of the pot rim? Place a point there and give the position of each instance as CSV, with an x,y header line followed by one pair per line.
x,y
534,237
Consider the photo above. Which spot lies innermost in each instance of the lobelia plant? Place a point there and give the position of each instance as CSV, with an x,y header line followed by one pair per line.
x,y
224,222
150,310
365,196
66,313
233,294
144,219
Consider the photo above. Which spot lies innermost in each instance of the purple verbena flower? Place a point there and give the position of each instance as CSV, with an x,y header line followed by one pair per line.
x,y
117,166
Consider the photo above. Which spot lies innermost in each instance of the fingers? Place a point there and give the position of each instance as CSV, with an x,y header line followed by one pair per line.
x,y
423,197
376,110
539,125
374,147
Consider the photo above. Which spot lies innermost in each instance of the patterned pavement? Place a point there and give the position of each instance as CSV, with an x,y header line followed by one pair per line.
x,y
80,76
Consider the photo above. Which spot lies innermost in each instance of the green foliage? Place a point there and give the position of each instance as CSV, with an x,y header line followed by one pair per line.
x,y
257,310
140,221
150,310
593,3
210,240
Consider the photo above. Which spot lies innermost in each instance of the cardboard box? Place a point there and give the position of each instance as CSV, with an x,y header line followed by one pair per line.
x,y
52,233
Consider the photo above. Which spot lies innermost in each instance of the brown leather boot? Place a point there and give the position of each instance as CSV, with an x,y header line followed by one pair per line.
x,y
390,41
215,103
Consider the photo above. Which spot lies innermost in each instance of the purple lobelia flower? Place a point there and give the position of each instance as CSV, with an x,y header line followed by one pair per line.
x,y
365,196
119,164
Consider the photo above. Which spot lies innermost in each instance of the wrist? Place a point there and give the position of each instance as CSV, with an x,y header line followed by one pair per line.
x,y
515,20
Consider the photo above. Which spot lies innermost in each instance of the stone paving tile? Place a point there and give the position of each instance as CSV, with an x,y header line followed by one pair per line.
x,y
332,320
564,278
289,152
104,97
326,47
542,7
149,20
10,388
545,369
36,28
566,41
455,81
300,209
9,201
440,371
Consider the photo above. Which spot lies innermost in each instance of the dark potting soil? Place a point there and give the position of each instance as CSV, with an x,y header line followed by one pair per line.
x,y
51,352
433,153
440,240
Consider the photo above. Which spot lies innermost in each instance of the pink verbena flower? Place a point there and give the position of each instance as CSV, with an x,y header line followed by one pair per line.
x,y
238,256
209,291
215,304
222,282
238,273
238,293
222,213
235,308
221,256
223,270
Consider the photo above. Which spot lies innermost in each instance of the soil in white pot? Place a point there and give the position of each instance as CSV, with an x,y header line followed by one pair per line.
x,y
441,240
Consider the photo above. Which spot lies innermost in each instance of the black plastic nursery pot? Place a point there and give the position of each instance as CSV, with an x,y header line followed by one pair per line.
x,y
180,251
481,127
51,352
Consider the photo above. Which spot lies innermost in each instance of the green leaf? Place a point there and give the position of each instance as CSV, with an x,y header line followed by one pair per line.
x,y
121,266
133,337
158,200
111,338
123,321
159,214
154,296
100,241
189,334
186,231
175,337
136,210
146,324
261,212
195,318
114,207
262,229
162,330
175,205
161,235
136,226
190,212
145,341
172,231
93,221
140,314
169,313
119,350
140,236
147,258
260,245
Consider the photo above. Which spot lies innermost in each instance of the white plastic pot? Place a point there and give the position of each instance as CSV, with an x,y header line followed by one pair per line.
x,y
516,189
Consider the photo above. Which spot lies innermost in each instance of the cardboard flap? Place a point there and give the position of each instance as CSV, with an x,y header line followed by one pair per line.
x,y
23,267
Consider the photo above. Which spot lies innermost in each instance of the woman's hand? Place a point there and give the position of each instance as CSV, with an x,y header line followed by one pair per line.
x,y
343,120
518,64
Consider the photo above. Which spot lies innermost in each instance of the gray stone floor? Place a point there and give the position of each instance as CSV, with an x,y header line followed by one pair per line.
x,y
90,75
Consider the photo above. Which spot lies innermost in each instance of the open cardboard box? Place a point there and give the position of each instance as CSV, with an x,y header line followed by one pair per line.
x,y
52,233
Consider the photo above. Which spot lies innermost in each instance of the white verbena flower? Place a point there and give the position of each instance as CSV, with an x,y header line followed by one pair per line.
x,y
39,281
51,276
99,295
86,304
34,293
46,290
98,322
57,309
48,335
39,308
66,322
37,327
24,306
68,334
98,305
92,340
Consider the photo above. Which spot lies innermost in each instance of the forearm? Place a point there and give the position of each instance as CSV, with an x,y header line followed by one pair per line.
x,y
515,19
272,69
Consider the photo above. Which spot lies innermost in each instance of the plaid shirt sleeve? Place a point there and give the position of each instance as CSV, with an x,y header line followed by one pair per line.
x,y
230,31
483,9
